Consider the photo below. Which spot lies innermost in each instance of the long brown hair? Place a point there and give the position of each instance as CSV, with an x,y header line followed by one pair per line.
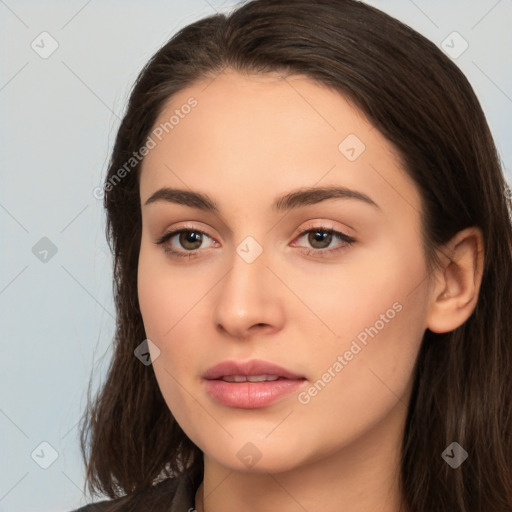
x,y
425,107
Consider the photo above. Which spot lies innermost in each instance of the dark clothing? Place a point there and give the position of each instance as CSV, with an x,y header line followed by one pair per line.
x,y
170,495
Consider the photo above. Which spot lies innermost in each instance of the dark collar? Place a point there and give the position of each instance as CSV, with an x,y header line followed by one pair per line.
x,y
180,491
184,497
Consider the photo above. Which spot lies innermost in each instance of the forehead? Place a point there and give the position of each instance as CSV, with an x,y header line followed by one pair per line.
x,y
266,134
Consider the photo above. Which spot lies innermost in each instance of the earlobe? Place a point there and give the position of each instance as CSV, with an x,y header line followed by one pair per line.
x,y
457,282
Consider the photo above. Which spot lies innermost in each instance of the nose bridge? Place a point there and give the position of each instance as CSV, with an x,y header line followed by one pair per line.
x,y
246,296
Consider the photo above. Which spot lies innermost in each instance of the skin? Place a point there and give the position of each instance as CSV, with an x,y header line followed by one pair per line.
x,y
249,140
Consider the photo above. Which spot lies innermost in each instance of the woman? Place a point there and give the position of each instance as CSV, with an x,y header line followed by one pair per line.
x,y
312,246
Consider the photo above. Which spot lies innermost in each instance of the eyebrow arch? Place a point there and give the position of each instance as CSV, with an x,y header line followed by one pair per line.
x,y
292,200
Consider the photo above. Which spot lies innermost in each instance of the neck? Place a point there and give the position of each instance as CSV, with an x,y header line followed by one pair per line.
x,y
361,476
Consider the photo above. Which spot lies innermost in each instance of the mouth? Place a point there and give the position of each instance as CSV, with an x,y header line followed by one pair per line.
x,y
250,378
250,385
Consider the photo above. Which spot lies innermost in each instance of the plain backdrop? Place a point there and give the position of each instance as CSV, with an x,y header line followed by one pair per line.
x,y
59,116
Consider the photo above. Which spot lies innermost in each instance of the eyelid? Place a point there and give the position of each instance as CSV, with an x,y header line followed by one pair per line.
x,y
321,226
346,240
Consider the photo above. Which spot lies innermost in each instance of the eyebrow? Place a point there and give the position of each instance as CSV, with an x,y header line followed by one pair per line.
x,y
289,201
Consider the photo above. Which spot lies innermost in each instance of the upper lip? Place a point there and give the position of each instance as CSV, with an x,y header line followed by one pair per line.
x,y
248,368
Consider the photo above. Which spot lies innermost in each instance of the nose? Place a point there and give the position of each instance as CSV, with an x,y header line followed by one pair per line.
x,y
249,300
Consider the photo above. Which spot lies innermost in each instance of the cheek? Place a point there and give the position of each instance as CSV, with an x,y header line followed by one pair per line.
x,y
377,312
372,289
363,379
170,302
373,380
167,293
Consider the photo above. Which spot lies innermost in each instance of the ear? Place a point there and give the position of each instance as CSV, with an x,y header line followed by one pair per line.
x,y
454,293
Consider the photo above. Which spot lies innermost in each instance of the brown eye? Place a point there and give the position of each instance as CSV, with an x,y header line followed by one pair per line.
x,y
183,242
319,239
190,240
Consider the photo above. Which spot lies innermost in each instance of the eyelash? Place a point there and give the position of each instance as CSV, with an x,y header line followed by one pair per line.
x,y
346,240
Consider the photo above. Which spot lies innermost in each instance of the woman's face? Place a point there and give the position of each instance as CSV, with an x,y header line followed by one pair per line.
x,y
301,261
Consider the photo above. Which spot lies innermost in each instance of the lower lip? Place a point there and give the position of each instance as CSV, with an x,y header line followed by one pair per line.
x,y
251,395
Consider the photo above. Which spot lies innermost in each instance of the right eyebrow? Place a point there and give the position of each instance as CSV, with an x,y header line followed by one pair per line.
x,y
184,197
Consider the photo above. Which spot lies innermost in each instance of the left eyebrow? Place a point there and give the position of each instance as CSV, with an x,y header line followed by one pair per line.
x,y
307,196
292,200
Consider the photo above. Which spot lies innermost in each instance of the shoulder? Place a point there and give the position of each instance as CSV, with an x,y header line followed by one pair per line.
x,y
176,492
101,506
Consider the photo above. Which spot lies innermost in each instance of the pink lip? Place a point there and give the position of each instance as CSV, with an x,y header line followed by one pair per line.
x,y
252,367
250,395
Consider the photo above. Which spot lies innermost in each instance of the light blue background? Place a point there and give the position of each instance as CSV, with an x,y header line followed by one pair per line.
x,y
58,121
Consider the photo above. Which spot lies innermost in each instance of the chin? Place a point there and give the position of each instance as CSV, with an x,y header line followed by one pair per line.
x,y
244,455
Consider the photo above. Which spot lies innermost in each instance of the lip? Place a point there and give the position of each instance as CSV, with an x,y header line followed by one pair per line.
x,y
250,395
248,368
